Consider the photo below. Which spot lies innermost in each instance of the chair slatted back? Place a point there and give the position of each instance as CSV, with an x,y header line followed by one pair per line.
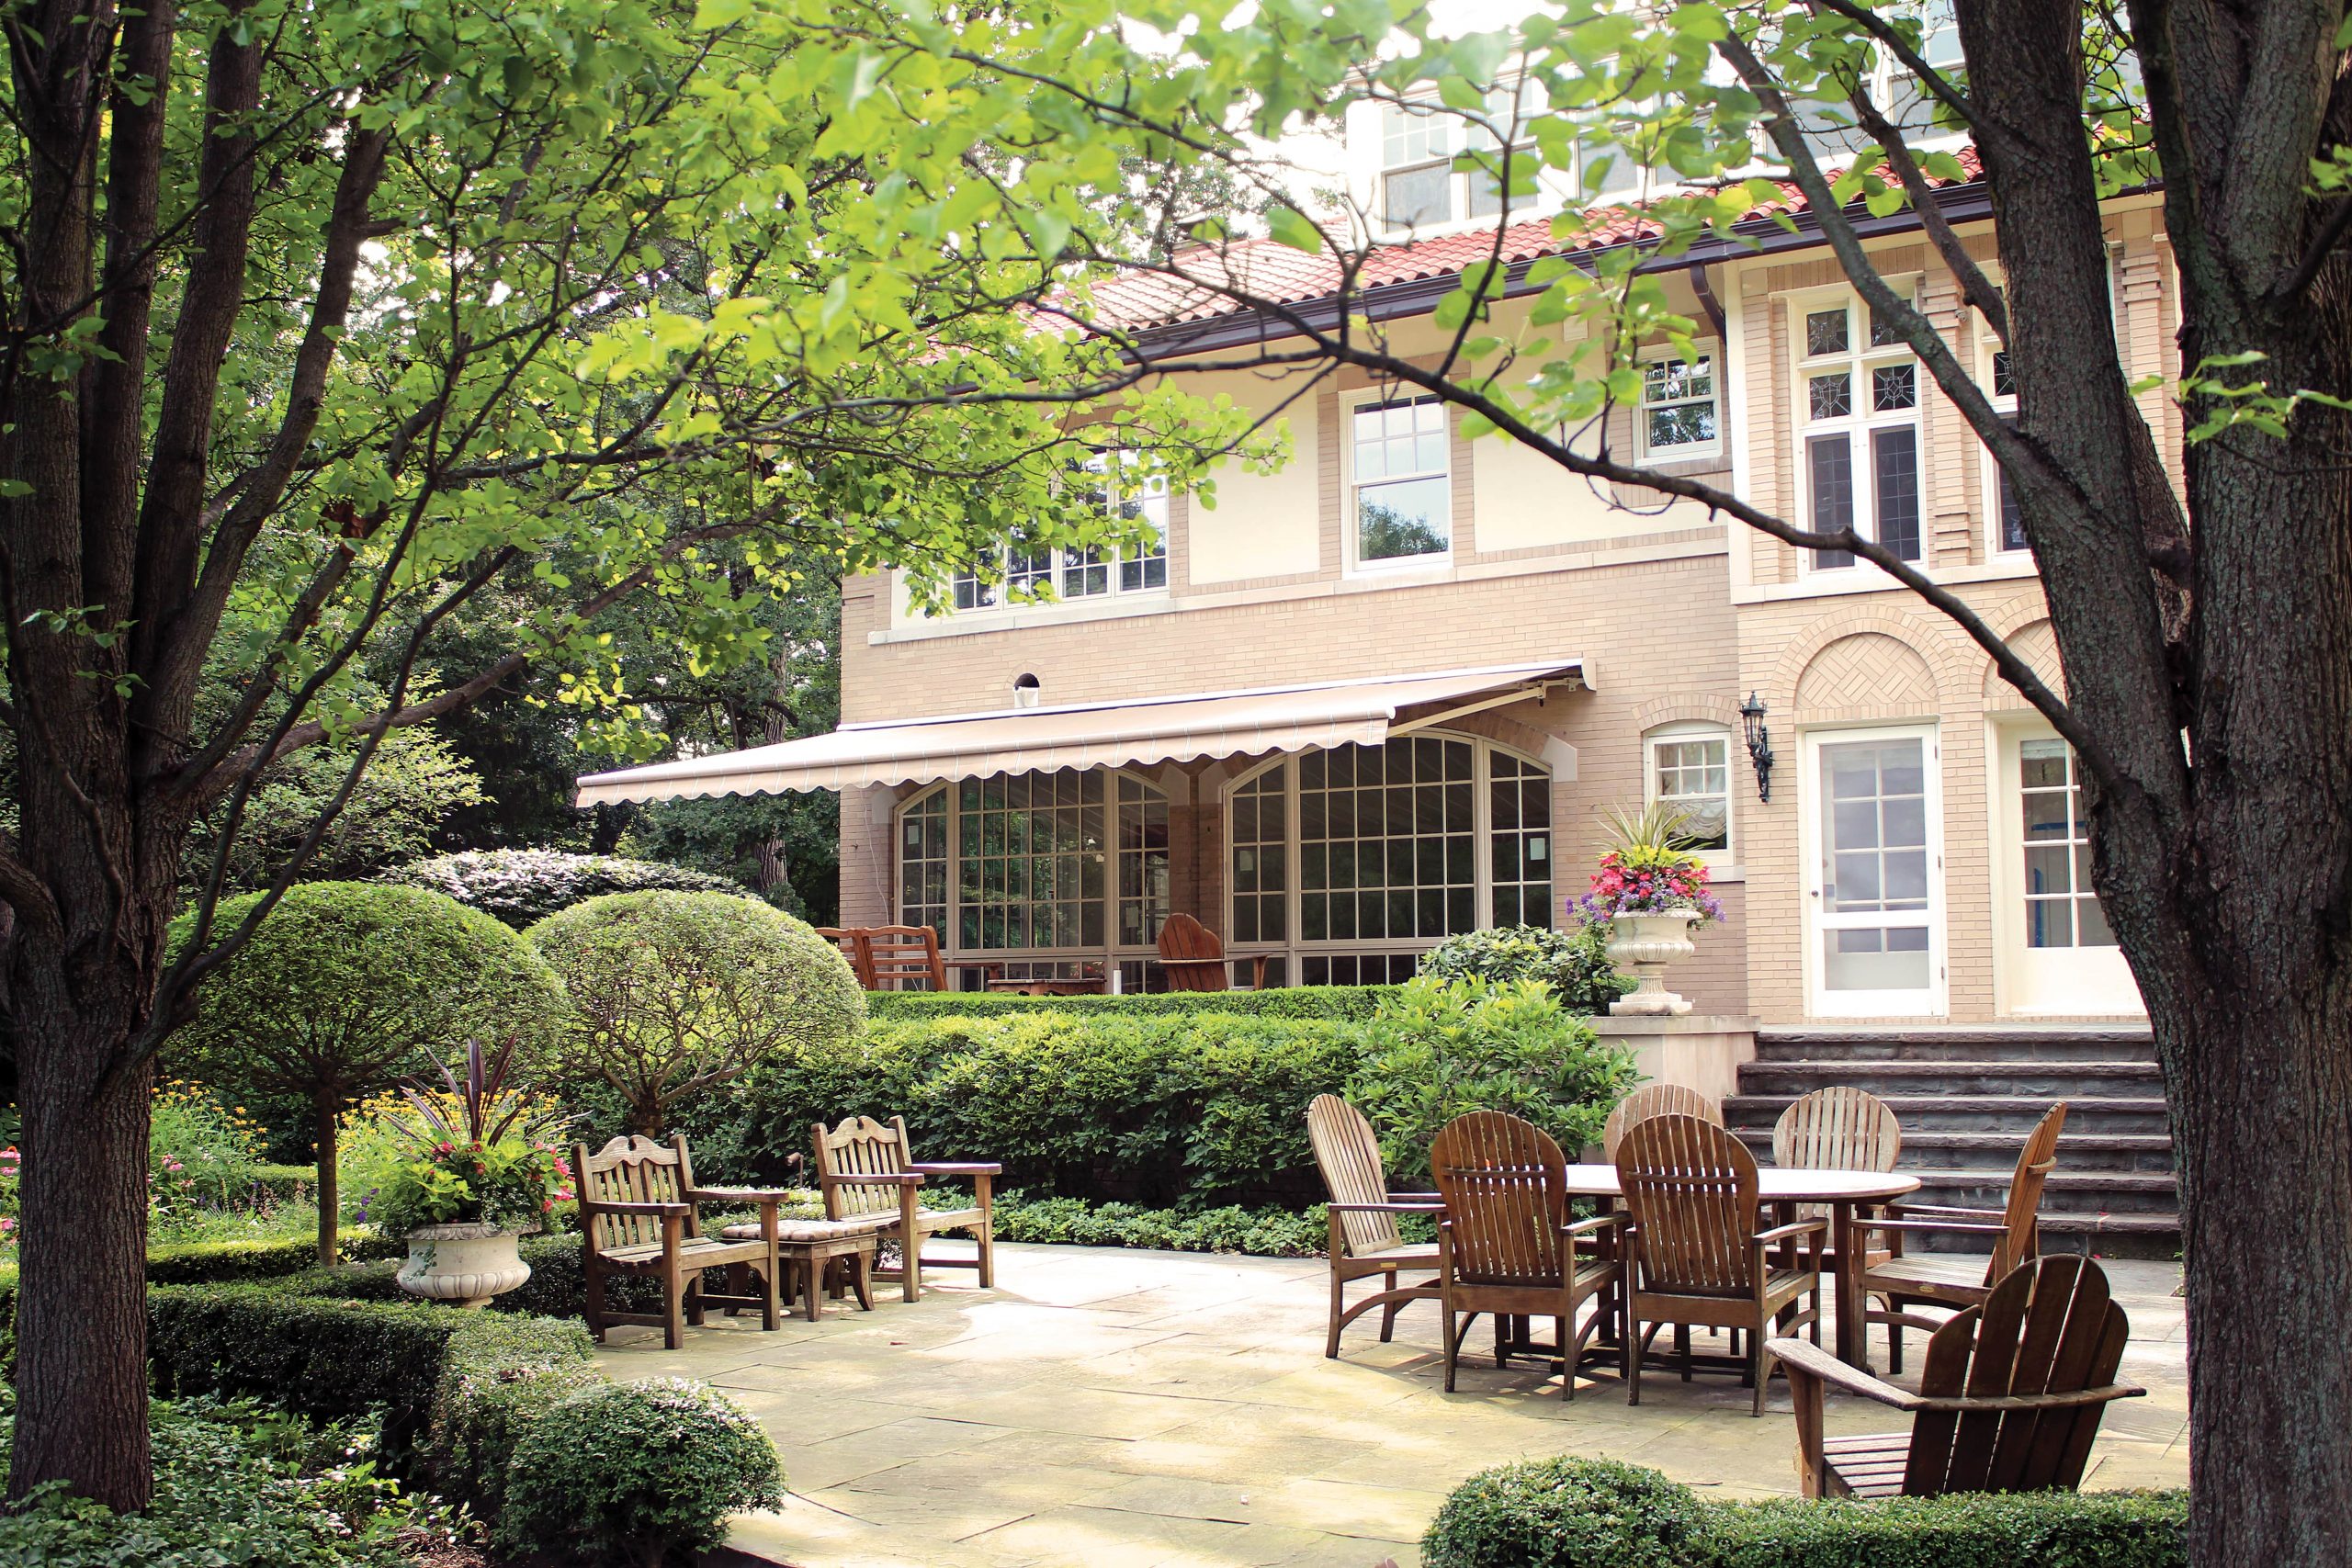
x,y
1655,1100
901,956
1692,1188
1505,1188
1192,956
1836,1129
852,942
2036,1160
2048,1327
861,1146
632,1170
1349,1156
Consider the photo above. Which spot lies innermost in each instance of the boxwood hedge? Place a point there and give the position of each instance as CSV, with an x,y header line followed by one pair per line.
x,y
1343,1003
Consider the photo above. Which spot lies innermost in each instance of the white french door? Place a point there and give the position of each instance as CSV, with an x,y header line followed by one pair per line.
x,y
2057,954
1872,847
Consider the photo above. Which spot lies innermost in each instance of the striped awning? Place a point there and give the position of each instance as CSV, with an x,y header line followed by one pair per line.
x,y
1091,735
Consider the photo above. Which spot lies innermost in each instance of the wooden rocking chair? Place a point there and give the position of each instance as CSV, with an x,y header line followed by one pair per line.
x,y
1654,1099
866,1168
1906,1283
1365,1242
1194,959
638,1215
2009,1400
1506,1244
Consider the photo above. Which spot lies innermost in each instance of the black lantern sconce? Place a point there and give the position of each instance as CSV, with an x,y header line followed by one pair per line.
x,y
1759,744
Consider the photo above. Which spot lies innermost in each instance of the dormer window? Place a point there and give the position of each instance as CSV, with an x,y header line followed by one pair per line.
x,y
1420,188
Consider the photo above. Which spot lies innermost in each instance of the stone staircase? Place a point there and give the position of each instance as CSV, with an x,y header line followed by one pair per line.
x,y
1968,1096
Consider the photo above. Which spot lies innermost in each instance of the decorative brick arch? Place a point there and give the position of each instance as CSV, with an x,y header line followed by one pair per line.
x,y
2037,643
1867,672
1944,652
1686,707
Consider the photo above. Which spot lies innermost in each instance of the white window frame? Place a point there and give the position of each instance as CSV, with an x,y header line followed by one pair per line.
x,y
1458,137
1715,861
1352,521
1053,568
1703,350
1934,1001
1862,422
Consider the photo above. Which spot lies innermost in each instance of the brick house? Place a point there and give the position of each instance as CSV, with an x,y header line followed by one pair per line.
x,y
1382,695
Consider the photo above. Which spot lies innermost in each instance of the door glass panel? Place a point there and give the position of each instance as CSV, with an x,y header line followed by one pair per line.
x,y
2060,908
1874,892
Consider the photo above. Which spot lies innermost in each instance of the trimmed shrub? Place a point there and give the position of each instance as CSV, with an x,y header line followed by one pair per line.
x,y
522,887
228,1490
675,993
221,1262
1567,1513
2045,1529
346,987
1264,1233
1342,1004
1573,964
1437,1049
629,1473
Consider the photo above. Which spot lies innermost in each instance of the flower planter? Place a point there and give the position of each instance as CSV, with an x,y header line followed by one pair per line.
x,y
1644,944
464,1264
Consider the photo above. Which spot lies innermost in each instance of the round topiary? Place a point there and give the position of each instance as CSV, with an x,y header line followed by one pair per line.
x,y
521,886
636,1473
348,987
1572,964
1566,1513
674,993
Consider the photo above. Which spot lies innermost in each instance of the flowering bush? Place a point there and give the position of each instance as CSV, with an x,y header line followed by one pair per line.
x,y
1649,869
201,1155
478,1154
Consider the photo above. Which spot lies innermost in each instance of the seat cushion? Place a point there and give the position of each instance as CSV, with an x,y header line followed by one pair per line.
x,y
814,1230
697,1252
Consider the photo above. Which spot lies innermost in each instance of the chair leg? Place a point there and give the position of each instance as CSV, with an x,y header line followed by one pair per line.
x,y
1894,1337
738,1283
1388,1312
1502,1340
1453,1342
1755,1373
592,1307
987,1232
1682,1347
1567,1348
1633,1355
695,1309
673,1303
861,1275
1338,1302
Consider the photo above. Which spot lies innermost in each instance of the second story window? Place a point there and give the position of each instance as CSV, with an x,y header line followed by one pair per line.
x,y
1858,410
1114,482
1420,188
1679,410
1403,492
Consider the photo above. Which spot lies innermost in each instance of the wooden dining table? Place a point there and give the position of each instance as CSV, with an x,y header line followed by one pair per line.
x,y
1840,1191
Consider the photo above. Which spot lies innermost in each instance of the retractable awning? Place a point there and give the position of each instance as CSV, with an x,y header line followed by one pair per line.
x,y
1091,735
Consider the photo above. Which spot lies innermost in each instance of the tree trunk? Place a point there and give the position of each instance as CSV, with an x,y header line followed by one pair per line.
x,y
81,1297
323,1121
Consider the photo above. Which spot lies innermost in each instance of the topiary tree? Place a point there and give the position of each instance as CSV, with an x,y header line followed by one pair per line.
x,y
1573,964
1567,1513
674,993
344,987
522,887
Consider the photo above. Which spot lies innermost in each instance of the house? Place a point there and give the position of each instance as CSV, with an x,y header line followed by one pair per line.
x,y
1381,696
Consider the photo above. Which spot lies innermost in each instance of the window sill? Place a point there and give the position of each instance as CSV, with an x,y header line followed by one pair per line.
x,y
1063,612
1866,579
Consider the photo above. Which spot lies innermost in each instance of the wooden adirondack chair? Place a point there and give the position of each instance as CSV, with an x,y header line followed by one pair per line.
x,y
1506,1244
1194,959
1693,1256
1838,1129
890,957
638,1215
1906,1283
1655,1100
1364,1239
866,1168
2009,1400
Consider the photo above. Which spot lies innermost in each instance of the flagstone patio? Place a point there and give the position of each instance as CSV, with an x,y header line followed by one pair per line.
x,y
1122,1409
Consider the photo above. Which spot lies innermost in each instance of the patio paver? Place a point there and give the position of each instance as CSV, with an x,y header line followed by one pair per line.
x,y
1106,1407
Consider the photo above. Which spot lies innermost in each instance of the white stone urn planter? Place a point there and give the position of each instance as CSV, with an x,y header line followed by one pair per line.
x,y
463,1264
1644,944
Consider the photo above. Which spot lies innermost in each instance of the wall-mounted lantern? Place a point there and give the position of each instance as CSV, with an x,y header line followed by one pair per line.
x,y
1759,744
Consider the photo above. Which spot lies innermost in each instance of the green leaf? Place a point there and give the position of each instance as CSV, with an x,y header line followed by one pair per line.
x,y
1290,227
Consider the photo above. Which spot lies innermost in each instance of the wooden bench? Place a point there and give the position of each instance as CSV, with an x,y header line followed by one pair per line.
x,y
868,1174
638,1215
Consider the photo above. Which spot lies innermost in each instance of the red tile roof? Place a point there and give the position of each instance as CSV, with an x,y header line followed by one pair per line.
x,y
1200,284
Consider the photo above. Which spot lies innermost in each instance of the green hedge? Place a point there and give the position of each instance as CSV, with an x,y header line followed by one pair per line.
x,y
1578,1513
1344,1003
221,1262
1265,1233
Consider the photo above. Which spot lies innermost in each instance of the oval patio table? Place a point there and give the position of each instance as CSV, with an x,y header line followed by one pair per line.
x,y
1786,1186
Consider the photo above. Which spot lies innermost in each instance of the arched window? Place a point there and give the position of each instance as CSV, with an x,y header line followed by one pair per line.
x,y
1353,861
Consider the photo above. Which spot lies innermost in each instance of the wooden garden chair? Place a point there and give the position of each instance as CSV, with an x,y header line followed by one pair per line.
x,y
2009,1400
1655,1100
1693,1255
1508,1243
1193,958
1838,1129
890,957
638,1215
866,1168
1905,1282
1365,1242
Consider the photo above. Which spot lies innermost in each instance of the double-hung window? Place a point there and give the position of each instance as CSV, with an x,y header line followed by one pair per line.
x,y
1013,573
1678,414
1118,485
1403,492
1858,409
1689,770
1420,188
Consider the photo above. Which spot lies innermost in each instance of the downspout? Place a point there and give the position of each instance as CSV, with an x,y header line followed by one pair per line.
x,y
1707,293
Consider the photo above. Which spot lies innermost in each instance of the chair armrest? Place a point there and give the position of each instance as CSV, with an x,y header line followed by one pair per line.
x,y
1594,1226
2012,1403
1385,1208
1417,1197
1791,1232
1802,1356
596,1206
876,1178
738,1195
956,1168
1943,1210
1930,1225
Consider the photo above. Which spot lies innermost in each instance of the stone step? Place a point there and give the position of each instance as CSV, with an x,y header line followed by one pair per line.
x,y
2049,1080
2144,1151
2132,1192
1992,1114
2015,1043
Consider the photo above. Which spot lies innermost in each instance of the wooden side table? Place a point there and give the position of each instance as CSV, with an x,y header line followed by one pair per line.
x,y
807,1249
